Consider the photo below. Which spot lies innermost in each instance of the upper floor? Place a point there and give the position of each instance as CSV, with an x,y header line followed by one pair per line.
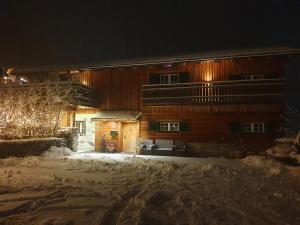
x,y
229,80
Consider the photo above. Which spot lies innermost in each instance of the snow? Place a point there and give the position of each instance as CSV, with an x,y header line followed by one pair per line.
x,y
30,140
54,152
284,149
60,188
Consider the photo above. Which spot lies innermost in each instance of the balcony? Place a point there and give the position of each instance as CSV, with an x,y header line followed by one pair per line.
x,y
215,92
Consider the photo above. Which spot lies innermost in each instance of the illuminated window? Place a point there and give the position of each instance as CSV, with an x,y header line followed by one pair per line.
x,y
81,125
253,127
169,126
169,78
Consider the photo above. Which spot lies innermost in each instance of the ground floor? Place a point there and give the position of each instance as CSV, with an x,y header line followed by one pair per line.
x,y
123,131
106,189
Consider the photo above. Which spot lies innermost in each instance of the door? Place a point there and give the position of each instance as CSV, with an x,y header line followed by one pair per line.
x,y
130,135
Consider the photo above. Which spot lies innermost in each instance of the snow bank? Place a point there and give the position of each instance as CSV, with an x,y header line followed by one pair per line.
x,y
9,162
54,152
84,146
285,141
30,161
272,167
282,151
285,150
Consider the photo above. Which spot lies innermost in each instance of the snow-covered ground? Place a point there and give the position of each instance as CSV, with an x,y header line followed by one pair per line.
x,y
61,188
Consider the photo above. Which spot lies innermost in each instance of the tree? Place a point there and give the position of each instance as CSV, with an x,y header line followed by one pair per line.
x,y
34,109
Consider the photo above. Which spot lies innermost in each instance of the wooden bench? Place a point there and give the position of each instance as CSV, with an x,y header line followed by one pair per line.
x,y
163,147
180,147
169,147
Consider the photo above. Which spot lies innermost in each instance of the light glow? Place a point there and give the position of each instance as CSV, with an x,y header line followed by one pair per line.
x,y
114,125
208,77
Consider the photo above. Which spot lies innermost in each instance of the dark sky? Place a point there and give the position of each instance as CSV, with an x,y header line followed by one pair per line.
x,y
35,33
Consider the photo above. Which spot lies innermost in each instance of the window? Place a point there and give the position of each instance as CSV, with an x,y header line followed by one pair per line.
x,y
169,126
253,127
169,78
252,77
81,125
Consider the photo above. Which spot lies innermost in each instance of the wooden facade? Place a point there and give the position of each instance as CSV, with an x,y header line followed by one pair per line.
x,y
217,100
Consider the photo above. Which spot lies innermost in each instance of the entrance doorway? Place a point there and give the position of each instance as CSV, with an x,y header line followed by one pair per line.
x,y
130,135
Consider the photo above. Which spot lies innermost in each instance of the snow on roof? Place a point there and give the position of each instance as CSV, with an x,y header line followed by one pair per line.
x,y
211,55
117,116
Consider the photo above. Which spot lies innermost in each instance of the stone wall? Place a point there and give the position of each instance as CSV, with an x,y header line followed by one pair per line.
x,y
210,149
29,147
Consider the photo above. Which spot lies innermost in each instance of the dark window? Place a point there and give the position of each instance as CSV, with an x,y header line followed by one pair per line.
x,y
81,125
253,127
169,126
154,79
169,78
252,76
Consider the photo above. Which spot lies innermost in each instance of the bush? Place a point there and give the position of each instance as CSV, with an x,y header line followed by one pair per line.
x,y
29,147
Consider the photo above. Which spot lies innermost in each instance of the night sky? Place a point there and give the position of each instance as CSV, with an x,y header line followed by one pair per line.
x,y
36,33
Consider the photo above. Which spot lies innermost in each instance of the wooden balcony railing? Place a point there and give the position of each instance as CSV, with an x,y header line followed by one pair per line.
x,y
215,92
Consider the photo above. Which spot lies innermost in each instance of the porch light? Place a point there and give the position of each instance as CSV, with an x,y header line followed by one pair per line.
x,y
208,77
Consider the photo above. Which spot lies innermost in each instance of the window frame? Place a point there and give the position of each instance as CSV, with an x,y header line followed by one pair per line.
x,y
252,76
81,127
168,126
253,127
169,78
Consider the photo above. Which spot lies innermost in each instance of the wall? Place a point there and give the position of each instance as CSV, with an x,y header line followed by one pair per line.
x,y
120,89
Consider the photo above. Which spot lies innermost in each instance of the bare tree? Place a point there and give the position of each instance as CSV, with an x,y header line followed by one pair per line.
x,y
34,110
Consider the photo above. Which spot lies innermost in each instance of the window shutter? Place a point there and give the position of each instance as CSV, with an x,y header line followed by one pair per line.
x,y
271,76
234,77
184,77
270,128
235,127
184,127
154,78
153,126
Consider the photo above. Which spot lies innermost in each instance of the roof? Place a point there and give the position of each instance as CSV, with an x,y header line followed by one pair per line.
x,y
201,56
127,116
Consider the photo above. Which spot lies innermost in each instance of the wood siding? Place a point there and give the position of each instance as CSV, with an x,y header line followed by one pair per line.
x,y
205,127
120,88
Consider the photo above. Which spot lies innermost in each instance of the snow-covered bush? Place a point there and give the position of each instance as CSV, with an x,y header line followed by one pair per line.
x,y
33,109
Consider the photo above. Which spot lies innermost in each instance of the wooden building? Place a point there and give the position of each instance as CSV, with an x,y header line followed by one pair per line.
x,y
217,97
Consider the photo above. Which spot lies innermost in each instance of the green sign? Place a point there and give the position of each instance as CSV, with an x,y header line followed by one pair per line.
x,y
114,133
